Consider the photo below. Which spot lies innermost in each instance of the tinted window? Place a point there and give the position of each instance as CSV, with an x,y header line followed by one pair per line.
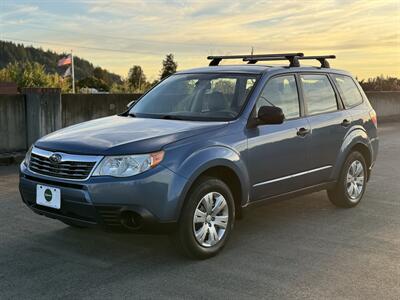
x,y
319,95
348,90
281,92
196,97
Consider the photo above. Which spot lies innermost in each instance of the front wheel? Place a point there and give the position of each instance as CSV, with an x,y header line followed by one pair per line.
x,y
352,182
207,219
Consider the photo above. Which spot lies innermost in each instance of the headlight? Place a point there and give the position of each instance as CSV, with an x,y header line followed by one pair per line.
x,y
127,165
27,159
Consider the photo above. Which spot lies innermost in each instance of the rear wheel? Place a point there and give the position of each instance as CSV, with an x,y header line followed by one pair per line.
x,y
206,220
352,182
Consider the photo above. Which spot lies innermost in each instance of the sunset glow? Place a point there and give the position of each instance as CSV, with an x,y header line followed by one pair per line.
x,y
365,35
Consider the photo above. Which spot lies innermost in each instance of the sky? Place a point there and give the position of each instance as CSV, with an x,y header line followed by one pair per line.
x,y
363,34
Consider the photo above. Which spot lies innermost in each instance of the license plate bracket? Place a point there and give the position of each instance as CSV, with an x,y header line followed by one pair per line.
x,y
48,196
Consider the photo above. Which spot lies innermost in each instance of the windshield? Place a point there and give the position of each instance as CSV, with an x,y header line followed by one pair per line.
x,y
207,97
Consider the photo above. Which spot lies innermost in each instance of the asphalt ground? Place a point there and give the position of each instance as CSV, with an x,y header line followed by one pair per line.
x,y
303,248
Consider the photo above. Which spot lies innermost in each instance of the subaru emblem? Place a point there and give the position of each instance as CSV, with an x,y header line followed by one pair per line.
x,y
55,158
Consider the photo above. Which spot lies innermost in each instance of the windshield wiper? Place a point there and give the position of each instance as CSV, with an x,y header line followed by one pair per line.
x,y
132,115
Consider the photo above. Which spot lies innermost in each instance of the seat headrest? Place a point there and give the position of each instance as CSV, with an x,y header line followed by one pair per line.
x,y
216,101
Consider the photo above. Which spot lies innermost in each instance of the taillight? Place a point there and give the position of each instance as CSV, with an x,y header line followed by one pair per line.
x,y
374,119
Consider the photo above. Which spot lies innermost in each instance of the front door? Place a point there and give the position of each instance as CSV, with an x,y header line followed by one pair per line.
x,y
277,153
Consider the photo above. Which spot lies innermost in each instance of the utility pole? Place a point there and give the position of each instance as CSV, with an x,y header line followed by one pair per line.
x,y
72,73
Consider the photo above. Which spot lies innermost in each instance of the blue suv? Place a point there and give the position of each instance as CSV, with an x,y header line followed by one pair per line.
x,y
197,149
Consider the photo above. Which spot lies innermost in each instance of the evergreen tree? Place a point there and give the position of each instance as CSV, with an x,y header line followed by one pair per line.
x,y
136,78
169,66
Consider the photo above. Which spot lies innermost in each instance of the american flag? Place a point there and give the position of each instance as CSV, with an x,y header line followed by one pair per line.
x,y
67,72
65,61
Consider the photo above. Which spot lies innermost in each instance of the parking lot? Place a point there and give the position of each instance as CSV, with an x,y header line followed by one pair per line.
x,y
299,248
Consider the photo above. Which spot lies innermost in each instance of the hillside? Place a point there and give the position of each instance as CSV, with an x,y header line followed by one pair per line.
x,y
10,52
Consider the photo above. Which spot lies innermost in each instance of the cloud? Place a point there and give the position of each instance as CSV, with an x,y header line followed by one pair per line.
x,y
194,29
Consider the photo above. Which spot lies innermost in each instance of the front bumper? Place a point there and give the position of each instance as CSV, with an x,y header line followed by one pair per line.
x,y
149,201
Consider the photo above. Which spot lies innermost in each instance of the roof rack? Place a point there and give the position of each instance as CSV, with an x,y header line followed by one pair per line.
x,y
291,57
321,58
252,59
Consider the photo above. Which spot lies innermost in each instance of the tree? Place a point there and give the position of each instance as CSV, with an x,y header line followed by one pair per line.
x,y
136,78
98,73
10,53
169,66
93,82
27,74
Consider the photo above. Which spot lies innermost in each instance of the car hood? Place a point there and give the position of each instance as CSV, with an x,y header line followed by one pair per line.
x,y
118,135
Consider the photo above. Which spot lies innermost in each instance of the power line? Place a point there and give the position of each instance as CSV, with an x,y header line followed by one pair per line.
x,y
184,44
79,47
39,27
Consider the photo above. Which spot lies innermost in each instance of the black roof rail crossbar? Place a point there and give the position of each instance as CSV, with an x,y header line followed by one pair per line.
x,y
291,57
321,58
215,60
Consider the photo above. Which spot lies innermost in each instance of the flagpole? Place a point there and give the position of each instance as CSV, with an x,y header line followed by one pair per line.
x,y
72,73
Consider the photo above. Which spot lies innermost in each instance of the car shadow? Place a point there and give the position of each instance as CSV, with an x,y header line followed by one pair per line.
x,y
265,224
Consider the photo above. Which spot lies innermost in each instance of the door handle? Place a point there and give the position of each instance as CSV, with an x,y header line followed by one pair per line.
x,y
303,131
346,123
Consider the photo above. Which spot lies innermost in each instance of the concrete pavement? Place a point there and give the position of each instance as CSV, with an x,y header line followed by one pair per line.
x,y
300,248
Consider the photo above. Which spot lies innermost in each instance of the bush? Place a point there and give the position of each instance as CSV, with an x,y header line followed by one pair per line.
x,y
381,83
27,74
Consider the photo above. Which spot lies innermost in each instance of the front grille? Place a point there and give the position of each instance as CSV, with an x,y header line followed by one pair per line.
x,y
64,169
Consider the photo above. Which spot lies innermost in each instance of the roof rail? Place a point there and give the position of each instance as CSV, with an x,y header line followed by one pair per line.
x,y
291,57
252,59
321,58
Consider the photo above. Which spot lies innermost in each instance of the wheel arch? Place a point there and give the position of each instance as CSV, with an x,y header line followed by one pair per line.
x,y
230,178
227,167
356,140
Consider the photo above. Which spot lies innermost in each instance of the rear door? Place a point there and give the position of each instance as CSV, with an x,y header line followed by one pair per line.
x,y
277,153
329,123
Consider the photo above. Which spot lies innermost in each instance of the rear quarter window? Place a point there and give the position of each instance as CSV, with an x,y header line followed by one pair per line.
x,y
348,90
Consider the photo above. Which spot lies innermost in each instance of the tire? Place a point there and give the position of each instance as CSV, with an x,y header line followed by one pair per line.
x,y
349,191
73,225
213,203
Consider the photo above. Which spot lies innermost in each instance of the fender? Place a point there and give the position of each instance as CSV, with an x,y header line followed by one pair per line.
x,y
356,135
213,156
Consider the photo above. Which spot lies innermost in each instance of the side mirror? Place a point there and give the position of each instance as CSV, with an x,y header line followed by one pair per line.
x,y
131,103
270,115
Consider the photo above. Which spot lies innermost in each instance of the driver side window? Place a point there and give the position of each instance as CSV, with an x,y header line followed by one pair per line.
x,y
281,92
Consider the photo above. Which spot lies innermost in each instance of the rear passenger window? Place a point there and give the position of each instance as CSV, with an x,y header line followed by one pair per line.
x,y
281,92
319,96
348,90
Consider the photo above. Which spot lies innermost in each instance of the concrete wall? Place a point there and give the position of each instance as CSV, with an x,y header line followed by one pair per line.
x,y
12,123
43,107
25,118
77,108
386,104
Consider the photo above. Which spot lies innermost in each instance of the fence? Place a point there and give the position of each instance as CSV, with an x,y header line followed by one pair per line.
x,y
28,116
